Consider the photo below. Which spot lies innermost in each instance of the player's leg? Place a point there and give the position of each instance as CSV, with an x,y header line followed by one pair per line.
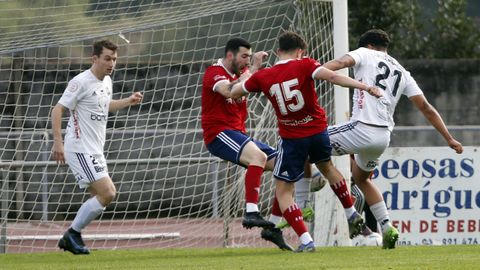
x,y
240,149
90,172
257,157
303,189
320,154
360,206
255,160
339,187
365,161
274,234
289,168
375,202
293,214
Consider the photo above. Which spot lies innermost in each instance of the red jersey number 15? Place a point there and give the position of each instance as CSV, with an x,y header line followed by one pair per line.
x,y
283,92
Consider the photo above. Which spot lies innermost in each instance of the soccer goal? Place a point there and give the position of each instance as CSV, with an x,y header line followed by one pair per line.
x,y
171,191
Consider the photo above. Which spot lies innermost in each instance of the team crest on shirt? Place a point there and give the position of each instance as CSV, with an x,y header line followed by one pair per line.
x,y
103,103
72,86
219,77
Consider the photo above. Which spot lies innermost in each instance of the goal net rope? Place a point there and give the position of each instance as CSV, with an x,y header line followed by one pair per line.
x,y
171,191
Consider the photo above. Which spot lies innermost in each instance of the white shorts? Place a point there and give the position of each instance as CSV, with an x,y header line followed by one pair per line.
x,y
87,168
366,142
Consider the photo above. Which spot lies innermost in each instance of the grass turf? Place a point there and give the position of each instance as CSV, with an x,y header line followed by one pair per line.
x,y
404,257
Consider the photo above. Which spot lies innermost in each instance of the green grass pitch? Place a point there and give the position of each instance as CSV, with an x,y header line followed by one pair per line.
x,y
411,257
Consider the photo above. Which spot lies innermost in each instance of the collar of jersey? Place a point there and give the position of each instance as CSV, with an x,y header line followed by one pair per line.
x,y
283,61
220,63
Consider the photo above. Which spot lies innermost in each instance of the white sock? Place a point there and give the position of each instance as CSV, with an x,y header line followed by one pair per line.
x,y
379,210
315,171
252,207
275,219
302,190
305,238
87,212
349,211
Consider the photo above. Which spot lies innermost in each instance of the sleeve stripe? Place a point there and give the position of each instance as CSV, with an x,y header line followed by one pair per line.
x,y
244,88
216,84
315,72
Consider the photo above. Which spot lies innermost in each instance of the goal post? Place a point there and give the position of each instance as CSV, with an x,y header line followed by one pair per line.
x,y
171,191
329,213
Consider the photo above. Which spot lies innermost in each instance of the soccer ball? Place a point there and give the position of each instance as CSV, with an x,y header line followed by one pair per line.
x,y
373,239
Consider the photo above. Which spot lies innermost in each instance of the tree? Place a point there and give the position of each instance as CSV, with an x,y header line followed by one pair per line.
x,y
398,18
454,35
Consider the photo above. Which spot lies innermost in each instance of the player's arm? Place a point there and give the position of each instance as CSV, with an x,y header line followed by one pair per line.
x,y
436,120
326,74
119,104
342,62
238,91
58,152
225,87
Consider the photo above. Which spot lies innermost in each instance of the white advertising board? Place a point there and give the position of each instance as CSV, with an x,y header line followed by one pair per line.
x,y
432,194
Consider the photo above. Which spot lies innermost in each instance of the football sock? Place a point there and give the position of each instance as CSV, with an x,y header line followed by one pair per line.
x,y
302,190
349,211
252,186
340,189
276,215
89,210
252,207
275,219
379,210
358,198
306,238
293,215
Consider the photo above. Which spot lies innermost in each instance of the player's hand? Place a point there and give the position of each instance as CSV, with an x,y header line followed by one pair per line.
x,y
455,145
135,98
374,91
245,75
58,152
258,59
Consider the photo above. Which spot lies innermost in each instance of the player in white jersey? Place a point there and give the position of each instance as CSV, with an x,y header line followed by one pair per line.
x,y
367,134
88,97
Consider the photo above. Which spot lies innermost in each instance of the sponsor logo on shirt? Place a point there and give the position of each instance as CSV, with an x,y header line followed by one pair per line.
x,y
289,122
238,100
97,117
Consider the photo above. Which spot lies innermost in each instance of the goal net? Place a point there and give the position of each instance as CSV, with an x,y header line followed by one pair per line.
x,y
171,191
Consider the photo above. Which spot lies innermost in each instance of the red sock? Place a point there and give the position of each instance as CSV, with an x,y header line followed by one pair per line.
x,y
252,183
293,215
276,208
341,190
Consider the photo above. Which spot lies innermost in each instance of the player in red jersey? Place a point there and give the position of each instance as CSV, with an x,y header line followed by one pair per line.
x,y
223,123
289,85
